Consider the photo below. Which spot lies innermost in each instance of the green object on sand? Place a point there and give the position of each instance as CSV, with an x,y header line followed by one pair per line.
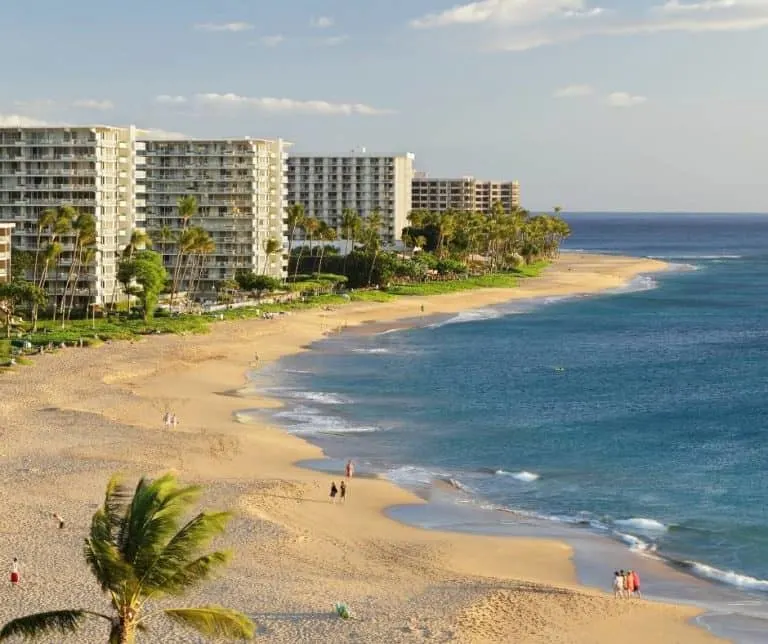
x,y
342,610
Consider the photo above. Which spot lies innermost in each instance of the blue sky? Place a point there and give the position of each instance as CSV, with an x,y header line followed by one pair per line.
x,y
592,104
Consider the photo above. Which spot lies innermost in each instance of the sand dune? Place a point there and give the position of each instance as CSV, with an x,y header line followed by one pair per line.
x,y
75,417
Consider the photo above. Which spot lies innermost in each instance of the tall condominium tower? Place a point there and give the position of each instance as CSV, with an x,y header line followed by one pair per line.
x,y
239,185
89,168
327,185
5,251
466,193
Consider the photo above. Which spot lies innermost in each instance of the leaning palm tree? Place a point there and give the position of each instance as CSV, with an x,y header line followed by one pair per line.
x,y
139,552
272,246
187,208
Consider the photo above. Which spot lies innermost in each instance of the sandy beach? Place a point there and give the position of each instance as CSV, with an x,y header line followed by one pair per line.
x,y
75,417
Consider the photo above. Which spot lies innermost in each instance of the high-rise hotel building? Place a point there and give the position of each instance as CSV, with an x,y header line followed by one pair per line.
x,y
327,185
5,252
465,194
90,168
240,189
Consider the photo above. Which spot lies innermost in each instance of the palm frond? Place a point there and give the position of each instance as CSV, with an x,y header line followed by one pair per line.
x,y
214,621
107,565
182,549
41,624
191,574
115,505
153,517
154,529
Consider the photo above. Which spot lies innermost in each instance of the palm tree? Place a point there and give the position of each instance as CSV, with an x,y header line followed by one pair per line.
x,y
84,228
325,233
372,236
271,247
139,552
350,227
310,226
295,216
46,220
187,207
61,227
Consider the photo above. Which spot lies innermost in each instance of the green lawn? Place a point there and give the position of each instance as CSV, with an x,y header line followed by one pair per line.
x,y
496,280
124,329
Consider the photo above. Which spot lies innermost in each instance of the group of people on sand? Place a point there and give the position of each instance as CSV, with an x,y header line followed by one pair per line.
x,y
341,490
626,583
169,420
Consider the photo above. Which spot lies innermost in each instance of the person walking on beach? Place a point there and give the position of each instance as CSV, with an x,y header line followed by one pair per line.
x,y
174,421
15,578
343,491
59,520
167,419
334,492
349,470
636,582
629,583
618,585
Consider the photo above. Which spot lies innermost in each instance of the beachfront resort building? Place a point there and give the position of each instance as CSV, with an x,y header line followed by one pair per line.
x,y
328,185
464,194
240,189
90,168
5,252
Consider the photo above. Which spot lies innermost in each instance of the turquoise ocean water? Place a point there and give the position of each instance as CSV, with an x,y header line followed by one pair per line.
x,y
652,434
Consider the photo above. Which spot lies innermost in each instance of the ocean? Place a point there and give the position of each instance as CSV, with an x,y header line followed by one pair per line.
x,y
639,415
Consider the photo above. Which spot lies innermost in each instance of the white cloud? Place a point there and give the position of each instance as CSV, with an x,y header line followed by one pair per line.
x,y
226,26
624,99
272,41
503,12
520,25
158,135
269,104
334,40
18,120
36,104
167,99
573,91
323,22
91,104
674,6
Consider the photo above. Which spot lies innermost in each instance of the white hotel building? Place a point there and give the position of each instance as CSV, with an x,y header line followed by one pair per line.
x,y
240,188
90,168
327,185
5,251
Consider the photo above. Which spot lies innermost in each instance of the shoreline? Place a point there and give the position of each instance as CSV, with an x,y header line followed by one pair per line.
x,y
404,582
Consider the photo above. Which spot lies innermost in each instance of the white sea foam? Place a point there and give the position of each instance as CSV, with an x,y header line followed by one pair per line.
x,y
639,283
525,476
412,475
299,371
695,256
677,267
308,420
728,577
468,316
635,543
322,397
388,331
376,351
640,523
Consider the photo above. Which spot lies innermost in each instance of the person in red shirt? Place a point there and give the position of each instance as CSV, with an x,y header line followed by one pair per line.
x,y
636,582
629,584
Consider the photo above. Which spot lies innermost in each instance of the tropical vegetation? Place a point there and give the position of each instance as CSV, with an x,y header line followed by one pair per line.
x,y
142,549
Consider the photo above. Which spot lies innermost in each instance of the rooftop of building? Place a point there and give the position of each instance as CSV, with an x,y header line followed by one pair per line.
x,y
361,153
234,139
421,176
